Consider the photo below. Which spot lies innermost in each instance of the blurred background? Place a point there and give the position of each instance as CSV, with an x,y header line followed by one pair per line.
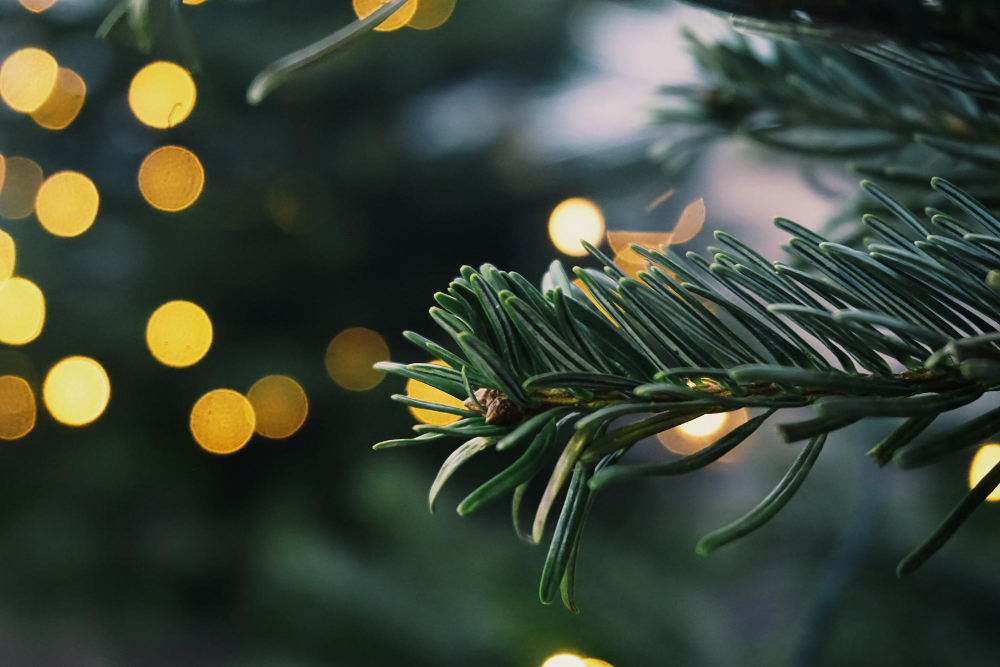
x,y
306,234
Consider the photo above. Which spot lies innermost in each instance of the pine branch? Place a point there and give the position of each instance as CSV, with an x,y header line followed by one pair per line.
x,y
906,329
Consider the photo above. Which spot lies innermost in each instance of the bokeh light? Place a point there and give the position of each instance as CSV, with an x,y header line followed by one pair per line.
x,y
575,220
8,256
419,390
22,178
431,13
37,6
171,178
22,311
17,407
704,425
66,203
564,660
985,459
222,421
27,77
193,2
64,103
596,662
351,355
162,94
76,391
700,432
280,405
396,20
179,333
3,170
689,223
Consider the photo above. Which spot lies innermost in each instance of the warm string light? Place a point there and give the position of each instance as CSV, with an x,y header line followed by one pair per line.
x,y
22,311
17,407
395,21
8,256
22,178
66,203
424,392
36,6
575,220
179,333
171,178
222,421
573,660
27,77
162,94
76,391
64,102
351,355
280,405
985,459
702,431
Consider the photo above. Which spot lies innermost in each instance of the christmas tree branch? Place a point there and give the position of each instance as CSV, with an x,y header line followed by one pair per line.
x,y
580,371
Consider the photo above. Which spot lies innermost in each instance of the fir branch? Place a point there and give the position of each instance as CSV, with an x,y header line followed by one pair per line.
x,y
906,329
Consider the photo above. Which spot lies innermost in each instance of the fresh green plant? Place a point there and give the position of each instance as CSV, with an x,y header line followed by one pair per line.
x,y
903,330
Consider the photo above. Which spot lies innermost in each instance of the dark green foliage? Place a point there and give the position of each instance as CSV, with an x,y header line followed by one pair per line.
x,y
903,330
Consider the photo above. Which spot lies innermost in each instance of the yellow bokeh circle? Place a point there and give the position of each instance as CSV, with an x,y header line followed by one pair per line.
x,y
396,20
37,6
64,103
431,14
575,220
27,77
984,460
22,311
66,203
179,333
8,256
280,405
162,94
22,178
17,407
76,391
351,355
171,178
424,392
222,421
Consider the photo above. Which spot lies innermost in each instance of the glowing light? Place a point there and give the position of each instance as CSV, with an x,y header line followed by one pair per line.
x,y
64,103
76,391
193,2
690,223
37,6
222,421
22,178
22,311
171,178
162,94
704,425
179,333
576,220
280,405
419,390
431,14
984,460
3,170
596,662
27,77
564,660
396,20
17,408
620,240
66,203
8,256
351,355
701,432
